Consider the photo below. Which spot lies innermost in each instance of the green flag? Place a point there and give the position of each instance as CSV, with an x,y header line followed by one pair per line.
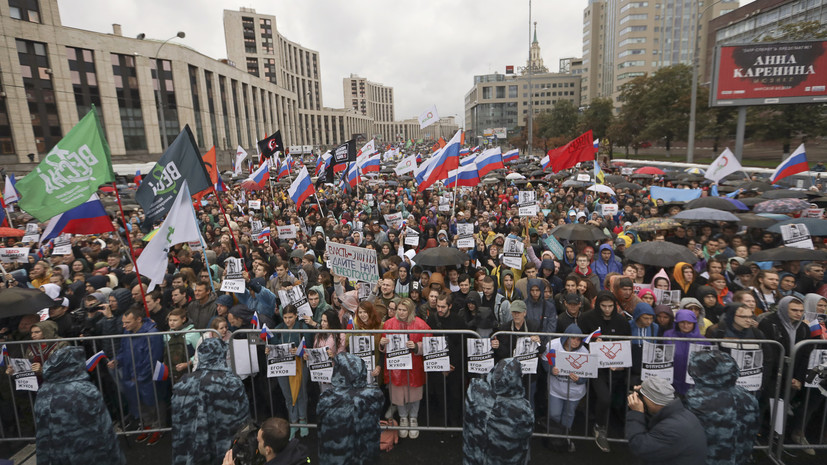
x,y
70,173
409,143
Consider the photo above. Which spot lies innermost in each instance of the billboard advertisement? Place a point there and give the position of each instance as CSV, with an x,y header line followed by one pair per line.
x,y
770,73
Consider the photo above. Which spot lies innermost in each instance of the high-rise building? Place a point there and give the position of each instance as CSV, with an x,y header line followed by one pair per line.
x,y
368,98
625,39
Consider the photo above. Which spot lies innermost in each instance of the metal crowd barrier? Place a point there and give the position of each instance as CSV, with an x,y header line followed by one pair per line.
x,y
17,416
808,407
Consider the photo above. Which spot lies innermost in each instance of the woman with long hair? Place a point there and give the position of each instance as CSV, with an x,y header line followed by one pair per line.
x,y
335,343
294,388
406,385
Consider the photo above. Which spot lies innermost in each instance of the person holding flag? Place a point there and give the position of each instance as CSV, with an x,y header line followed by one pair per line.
x,y
294,388
564,391
794,164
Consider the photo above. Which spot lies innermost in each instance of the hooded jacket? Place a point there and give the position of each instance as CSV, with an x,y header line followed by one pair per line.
x,y
714,311
208,407
615,325
499,419
561,386
662,274
515,293
136,363
729,413
777,326
667,310
542,311
703,322
650,331
349,415
682,348
72,424
678,282
602,268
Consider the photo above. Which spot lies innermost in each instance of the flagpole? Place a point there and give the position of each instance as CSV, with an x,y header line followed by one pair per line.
x,y
203,244
131,249
227,221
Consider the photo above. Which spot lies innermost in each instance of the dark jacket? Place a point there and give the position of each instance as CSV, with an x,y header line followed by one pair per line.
x,y
673,436
136,363
349,415
509,343
777,326
729,414
498,418
200,314
455,341
294,454
73,426
208,407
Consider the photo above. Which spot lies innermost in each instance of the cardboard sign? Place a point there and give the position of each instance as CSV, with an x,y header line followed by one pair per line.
x,y
354,263
397,354
365,290
612,354
63,245
480,355
233,276
320,365
657,361
582,365
255,227
671,298
627,171
254,204
513,253
394,220
809,213
751,366
465,235
14,254
584,177
280,362
32,233
527,210
608,209
245,357
817,357
526,197
525,350
411,237
555,246
25,381
695,347
295,296
435,350
287,232
363,347
796,235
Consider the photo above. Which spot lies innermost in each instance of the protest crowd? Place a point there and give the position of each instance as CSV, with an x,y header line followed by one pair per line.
x,y
312,254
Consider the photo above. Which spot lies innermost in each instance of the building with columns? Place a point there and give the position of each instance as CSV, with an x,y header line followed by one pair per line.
x,y
51,75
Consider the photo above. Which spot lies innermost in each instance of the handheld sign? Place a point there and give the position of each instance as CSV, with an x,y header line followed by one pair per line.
x,y
480,355
354,263
435,351
280,361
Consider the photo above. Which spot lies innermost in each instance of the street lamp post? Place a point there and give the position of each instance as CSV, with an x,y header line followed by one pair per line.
x,y
530,121
161,116
690,143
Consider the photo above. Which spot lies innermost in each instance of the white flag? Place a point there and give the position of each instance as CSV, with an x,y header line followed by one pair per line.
x,y
725,164
179,226
240,155
428,117
406,165
366,150
9,193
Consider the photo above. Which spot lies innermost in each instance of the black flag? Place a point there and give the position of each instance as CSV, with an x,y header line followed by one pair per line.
x,y
159,187
269,146
342,155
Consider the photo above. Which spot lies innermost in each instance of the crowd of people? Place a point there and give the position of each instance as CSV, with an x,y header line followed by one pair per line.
x,y
591,286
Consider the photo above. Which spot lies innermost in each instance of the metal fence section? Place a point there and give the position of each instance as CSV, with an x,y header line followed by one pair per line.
x,y
805,404
136,403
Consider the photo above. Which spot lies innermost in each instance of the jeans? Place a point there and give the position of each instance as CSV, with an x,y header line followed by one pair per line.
x,y
299,410
562,410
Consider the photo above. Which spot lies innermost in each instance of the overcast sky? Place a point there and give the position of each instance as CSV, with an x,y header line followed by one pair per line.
x,y
428,51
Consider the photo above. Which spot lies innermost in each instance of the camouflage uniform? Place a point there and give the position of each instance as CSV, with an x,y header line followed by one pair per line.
x,y
208,407
72,424
349,415
728,413
498,418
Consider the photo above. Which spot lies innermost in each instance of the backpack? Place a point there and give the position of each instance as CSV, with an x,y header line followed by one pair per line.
x,y
389,437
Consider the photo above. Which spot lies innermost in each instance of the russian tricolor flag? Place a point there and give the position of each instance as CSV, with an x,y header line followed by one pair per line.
x,y
443,161
254,320
301,188
594,335
489,160
545,162
467,160
265,333
6,355
264,234
300,349
161,372
283,171
258,180
551,356
352,177
464,152
323,162
511,155
220,186
796,163
464,176
371,164
86,218
815,329
93,361
348,326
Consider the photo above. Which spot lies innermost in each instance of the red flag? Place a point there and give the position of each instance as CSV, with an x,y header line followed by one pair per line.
x,y
580,149
462,139
212,169
441,142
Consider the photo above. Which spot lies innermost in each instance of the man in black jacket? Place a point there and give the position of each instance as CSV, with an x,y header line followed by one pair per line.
x,y
507,344
611,323
448,382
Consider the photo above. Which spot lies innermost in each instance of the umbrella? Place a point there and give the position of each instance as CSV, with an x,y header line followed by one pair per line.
x,y
641,176
751,201
740,205
820,201
11,232
655,224
513,176
490,181
781,206
16,301
718,203
785,254
615,179
694,171
627,185
755,221
649,170
537,174
404,178
660,253
520,182
601,188
816,226
572,183
754,186
784,194
441,256
705,214
578,232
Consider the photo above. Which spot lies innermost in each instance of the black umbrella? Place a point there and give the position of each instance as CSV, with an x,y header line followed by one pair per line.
x,y
718,203
538,173
16,301
815,226
441,256
785,254
627,185
660,253
784,194
754,186
755,221
578,232
615,179
820,201
641,176
752,201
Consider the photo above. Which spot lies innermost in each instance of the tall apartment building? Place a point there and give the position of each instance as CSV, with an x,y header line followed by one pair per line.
x,y
368,98
625,39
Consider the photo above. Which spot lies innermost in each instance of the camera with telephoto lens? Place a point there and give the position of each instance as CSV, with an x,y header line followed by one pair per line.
x,y
245,445
820,372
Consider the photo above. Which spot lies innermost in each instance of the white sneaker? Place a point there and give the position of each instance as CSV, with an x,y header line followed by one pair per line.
x,y
414,433
800,439
403,422
390,412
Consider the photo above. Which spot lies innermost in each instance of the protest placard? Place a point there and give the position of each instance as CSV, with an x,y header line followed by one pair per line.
x,y
233,276
63,245
411,237
465,235
555,246
435,350
14,254
32,233
363,347
397,354
280,360
525,350
295,296
320,365
355,263
578,363
796,235
254,204
513,253
287,232
657,361
612,354
394,220
480,355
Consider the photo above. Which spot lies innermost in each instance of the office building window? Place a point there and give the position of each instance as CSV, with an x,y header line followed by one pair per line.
x,y
168,103
208,81
222,86
6,141
129,101
196,106
84,81
26,10
40,93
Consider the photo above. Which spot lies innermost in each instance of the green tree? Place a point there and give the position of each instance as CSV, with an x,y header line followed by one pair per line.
x,y
804,30
598,117
560,122
667,100
627,129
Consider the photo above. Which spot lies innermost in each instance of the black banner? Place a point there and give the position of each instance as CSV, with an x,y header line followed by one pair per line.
x,y
270,145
